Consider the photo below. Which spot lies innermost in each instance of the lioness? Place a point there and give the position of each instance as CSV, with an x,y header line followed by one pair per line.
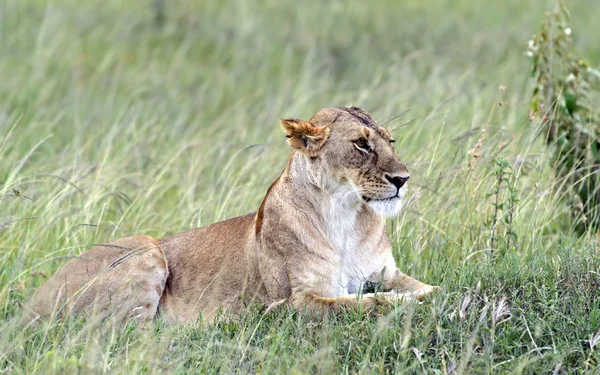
x,y
318,240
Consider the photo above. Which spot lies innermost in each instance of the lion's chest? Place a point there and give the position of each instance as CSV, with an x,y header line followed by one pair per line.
x,y
358,257
357,268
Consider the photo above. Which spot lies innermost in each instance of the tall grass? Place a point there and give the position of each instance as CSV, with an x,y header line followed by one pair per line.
x,y
112,126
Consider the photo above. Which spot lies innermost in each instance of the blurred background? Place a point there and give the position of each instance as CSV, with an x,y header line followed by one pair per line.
x,y
120,117
139,124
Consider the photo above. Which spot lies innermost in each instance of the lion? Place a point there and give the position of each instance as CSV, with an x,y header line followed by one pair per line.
x,y
318,241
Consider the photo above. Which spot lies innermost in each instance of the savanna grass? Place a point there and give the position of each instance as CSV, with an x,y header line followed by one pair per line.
x,y
111,126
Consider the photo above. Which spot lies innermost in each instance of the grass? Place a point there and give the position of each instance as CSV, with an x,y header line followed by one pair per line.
x,y
111,126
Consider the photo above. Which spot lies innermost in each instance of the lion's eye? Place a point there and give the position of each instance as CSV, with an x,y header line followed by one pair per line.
x,y
392,140
362,145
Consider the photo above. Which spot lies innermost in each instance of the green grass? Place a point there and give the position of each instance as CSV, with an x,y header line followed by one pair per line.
x,y
111,126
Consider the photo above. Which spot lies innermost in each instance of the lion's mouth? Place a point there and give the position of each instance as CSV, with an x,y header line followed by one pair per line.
x,y
367,199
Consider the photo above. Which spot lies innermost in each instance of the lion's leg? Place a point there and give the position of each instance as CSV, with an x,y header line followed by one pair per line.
x,y
122,279
367,301
405,285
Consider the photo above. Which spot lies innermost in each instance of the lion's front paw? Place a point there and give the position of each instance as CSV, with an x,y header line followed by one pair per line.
x,y
425,291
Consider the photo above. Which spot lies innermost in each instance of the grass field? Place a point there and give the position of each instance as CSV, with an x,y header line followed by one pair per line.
x,y
111,126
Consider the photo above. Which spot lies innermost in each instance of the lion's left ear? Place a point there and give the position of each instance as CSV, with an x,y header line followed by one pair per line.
x,y
304,136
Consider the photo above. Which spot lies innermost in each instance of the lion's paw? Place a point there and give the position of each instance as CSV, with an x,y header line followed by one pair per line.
x,y
425,291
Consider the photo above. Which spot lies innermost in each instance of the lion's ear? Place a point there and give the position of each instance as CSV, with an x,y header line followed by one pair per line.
x,y
304,136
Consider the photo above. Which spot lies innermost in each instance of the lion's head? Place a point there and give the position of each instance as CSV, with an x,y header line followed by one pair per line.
x,y
357,153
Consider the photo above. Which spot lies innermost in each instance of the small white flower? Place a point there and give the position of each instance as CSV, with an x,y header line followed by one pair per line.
x,y
568,31
529,53
530,44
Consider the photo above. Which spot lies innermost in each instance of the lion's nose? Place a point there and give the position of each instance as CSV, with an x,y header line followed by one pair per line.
x,y
397,181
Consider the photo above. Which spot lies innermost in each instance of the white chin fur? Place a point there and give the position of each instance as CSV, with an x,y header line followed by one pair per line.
x,y
390,207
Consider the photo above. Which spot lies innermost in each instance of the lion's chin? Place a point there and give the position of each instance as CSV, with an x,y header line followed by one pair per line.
x,y
386,207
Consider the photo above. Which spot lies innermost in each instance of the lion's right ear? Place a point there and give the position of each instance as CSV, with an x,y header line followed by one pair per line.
x,y
304,136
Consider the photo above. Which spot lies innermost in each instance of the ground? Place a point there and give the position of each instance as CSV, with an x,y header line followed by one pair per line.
x,y
111,126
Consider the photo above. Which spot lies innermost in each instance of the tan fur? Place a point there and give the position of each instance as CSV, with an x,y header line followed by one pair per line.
x,y
317,242
123,279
